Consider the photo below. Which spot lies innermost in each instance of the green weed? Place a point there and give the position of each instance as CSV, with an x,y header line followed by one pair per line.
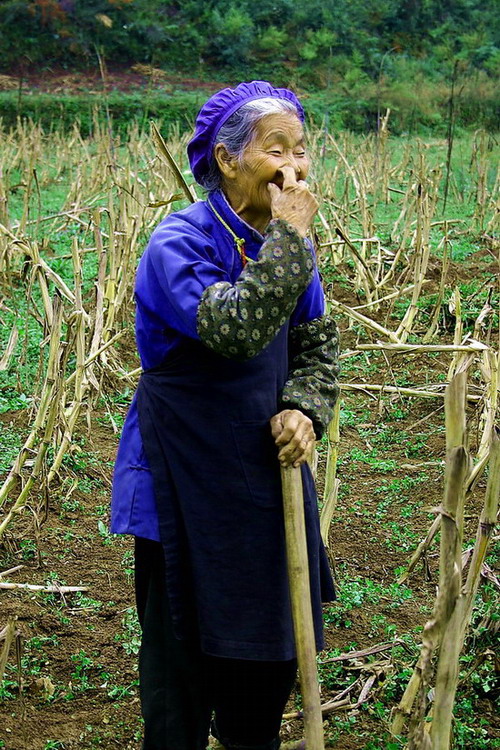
x,y
29,549
13,401
11,443
80,677
71,505
104,533
130,637
371,458
128,564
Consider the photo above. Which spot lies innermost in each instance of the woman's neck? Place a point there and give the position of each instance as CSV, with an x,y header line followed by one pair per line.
x,y
256,219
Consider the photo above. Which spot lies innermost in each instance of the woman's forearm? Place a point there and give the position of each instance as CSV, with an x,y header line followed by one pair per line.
x,y
239,320
312,384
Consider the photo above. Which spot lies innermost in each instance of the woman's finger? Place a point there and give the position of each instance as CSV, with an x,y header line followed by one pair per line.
x,y
291,422
299,455
305,454
289,178
299,436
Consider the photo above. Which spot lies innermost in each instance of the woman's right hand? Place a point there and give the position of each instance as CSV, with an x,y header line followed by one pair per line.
x,y
294,202
293,433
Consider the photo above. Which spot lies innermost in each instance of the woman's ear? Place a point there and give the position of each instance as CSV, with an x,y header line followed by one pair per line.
x,y
227,164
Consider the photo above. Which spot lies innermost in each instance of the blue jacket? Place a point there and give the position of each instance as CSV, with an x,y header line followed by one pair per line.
x,y
188,251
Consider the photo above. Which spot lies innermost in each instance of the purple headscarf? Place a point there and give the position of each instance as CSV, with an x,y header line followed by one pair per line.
x,y
217,110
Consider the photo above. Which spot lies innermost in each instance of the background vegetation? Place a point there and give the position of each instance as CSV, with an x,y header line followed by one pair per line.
x,y
358,57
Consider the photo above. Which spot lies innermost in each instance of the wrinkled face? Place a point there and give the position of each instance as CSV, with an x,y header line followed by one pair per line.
x,y
278,142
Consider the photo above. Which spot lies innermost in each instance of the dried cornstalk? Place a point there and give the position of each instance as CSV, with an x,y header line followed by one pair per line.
x,y
9,572
368,322
331,481
472,346
455,306
393,295
9,349
48,401
418,392
454,636
339,701
451,512
169,159
364,271
421,549
421,253
482,162
489,369
433,325
7,635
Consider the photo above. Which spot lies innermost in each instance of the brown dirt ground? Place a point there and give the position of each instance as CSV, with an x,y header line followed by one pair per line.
x,y
59,81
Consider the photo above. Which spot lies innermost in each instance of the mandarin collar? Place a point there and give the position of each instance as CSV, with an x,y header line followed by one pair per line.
x,y
240,227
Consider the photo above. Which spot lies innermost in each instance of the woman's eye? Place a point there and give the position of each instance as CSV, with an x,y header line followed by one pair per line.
x,y
275,152
300,153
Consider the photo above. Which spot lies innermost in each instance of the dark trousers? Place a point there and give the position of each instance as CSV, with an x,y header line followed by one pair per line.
x,y
181,687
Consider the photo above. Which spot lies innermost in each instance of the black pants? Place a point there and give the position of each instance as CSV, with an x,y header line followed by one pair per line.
x,y
181,687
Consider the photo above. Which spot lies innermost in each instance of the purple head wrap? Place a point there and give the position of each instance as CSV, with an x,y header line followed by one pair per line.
x,y
217,110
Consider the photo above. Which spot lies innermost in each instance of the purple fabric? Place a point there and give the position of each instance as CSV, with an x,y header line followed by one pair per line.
x,y
218,109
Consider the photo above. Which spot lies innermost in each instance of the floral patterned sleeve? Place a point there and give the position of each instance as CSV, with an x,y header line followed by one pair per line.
x,y
239,320
312,384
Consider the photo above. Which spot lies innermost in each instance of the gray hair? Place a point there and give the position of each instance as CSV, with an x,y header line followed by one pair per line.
x,y
238,131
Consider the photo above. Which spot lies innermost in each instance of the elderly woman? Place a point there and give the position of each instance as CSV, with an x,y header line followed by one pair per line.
x,y
240,374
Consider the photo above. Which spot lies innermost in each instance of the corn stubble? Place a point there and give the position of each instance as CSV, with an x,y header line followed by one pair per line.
x,y
116,193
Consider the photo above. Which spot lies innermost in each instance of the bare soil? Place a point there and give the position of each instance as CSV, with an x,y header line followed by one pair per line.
x,y
90,80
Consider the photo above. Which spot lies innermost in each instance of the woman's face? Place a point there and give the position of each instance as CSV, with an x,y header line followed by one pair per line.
x,y
278,142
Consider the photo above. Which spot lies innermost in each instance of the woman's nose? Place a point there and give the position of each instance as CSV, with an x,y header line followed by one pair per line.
x,y
291,161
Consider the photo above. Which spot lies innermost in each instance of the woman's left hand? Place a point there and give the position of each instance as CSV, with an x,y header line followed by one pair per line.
x,y
293,433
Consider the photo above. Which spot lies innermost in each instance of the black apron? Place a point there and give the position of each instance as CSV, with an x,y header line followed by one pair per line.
x,y
204,421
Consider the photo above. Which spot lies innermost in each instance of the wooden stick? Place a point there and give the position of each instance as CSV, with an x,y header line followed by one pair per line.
x,y
404,391
51,588
9,572
300,595
474,346
169,159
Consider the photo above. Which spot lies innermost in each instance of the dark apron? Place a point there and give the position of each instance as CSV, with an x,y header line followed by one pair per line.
x,y
204,421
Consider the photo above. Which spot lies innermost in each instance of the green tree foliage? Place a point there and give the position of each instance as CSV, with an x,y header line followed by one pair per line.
x,y
316,42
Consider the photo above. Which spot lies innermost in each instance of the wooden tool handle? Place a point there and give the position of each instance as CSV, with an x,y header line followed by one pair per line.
x,y
300,596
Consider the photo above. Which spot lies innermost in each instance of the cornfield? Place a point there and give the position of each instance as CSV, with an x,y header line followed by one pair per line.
x,y
75,215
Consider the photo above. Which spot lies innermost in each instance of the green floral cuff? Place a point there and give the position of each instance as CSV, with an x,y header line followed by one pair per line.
x,y
312,385
239,320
